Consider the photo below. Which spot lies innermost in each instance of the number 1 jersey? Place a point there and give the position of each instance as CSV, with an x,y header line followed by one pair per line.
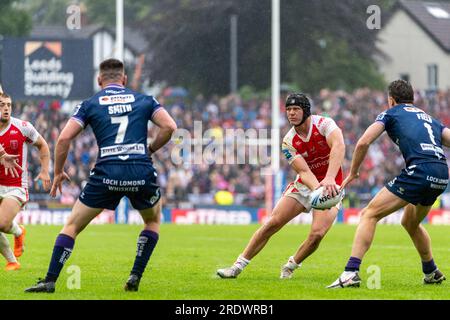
x,y
417,134
119,119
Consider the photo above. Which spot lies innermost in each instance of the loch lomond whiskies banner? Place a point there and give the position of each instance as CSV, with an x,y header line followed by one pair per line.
x,y
47,69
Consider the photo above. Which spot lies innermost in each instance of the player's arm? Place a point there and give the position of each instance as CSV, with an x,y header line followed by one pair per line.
x,y
166,126
299,164
70,131
446,137
308,178
336,143
370,135
44,157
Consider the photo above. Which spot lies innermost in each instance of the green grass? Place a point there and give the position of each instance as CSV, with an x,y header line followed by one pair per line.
x,y
184,263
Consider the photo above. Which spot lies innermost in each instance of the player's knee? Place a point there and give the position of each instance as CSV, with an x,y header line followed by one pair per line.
x,y
368,214
315,237
271,226
410,226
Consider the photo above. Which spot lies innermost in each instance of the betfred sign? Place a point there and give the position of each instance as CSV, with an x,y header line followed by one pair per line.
x,y
352,216
58,217
439,217
211,216
303,218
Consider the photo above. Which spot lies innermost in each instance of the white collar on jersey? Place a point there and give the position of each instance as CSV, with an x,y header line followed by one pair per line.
x,y
6,128
114,85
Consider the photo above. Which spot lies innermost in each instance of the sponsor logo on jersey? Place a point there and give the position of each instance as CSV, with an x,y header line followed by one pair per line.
x,y
117,99
412,109
430,147
109,91
391,183
322,144
381,116
155,197
14,132
14,144
287,154
124,149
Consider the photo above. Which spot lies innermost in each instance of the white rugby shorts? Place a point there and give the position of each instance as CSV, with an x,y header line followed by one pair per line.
x,y
16,193
302,194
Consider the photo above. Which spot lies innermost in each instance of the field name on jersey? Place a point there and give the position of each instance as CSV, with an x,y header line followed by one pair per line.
x,y
122,98
119,108
424,117
135,148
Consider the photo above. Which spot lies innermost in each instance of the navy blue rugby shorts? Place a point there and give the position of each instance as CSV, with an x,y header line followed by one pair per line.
x,y
110,182
421,183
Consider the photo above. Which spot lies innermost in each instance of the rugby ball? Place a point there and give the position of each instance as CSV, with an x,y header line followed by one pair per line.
x,y
322,202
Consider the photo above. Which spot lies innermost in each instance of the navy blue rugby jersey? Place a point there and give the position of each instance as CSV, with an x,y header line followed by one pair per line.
x,y
119,119
418,135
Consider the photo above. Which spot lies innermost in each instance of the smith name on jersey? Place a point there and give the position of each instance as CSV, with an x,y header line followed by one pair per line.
x,y
119,118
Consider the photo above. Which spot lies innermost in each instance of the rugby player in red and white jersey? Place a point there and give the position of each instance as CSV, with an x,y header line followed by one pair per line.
x,y
15,135
315,149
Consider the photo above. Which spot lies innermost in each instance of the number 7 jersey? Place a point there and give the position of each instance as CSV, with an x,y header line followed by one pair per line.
x,y
418,135
119,119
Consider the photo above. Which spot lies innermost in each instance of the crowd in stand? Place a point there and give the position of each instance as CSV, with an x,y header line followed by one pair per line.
x,y
192,172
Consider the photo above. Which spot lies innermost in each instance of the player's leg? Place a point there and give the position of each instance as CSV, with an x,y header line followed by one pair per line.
x,y
322,222
412,217
147,241
9,208
79,218
5,250
381,206
285,210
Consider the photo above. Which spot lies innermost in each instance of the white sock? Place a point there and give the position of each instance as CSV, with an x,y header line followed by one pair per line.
x,y
5,249
15,230
241,262
291,264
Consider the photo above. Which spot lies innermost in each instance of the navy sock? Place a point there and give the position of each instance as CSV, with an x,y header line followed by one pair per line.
x,y
428,267
146,243
61,252
353,264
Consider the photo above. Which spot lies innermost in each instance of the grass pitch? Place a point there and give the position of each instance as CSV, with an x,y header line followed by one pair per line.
x,y
184,263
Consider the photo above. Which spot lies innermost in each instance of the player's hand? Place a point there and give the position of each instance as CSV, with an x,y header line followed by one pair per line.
x,y
350,178
45,178
57,183
330,186
9,161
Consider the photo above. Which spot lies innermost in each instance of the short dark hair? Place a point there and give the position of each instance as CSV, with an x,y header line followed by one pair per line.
x,y
401,91
4,95
111,69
